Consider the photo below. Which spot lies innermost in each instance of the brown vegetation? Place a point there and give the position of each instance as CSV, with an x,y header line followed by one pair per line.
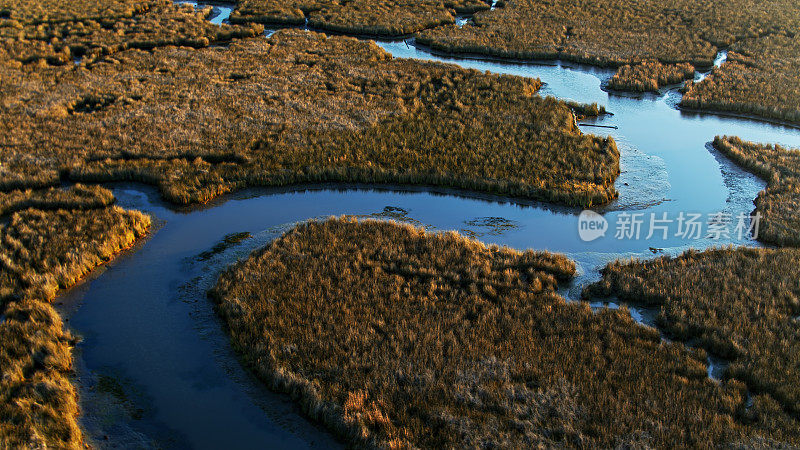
x,y
760,79
650,76
41,252
368,17
396,337
779,203
297,107
741,304
76,197
54,32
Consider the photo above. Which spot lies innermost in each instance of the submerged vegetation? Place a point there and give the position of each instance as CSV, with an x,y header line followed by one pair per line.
x,y
55,32
295,108
741,304
779,203
41,252
760,78
404,338
368,17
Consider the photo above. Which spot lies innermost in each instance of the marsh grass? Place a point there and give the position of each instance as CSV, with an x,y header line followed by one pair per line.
x,y
54,32
396,337
41,252
739,304
779,203
363,17
75,197
760,77
650,76
298,107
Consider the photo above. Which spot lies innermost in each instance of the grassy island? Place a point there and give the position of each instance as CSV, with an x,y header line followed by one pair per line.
x,y
393,336
650,76
42,251
298,107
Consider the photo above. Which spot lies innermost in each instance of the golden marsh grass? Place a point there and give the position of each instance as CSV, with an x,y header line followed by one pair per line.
x,y
41,252
395,337
298,107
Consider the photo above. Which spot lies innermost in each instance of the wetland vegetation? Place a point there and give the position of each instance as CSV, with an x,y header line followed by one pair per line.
x,y
366,17
40,253
779,203
297,107
393,336
760,79
53,32
740,304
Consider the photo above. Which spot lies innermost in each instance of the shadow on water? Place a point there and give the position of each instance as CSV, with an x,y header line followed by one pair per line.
x,y
155,367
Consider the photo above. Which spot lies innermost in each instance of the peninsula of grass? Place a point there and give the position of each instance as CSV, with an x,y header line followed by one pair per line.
x,y
298,107
41,252
54,32
396,337
779,203
363,17
760,79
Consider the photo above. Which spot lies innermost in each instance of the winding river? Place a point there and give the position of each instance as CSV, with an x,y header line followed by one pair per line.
x,y
155,367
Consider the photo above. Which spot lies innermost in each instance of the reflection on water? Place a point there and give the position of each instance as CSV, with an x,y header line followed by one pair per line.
x,y
155,366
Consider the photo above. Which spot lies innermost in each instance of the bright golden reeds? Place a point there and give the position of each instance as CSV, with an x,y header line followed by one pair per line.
x,y
41,252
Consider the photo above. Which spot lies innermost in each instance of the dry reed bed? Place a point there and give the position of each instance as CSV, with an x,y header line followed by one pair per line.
x,y
75,197
619,32
393,336
650,76
759,78
741,304
367,17
779,203
55,32
295,108
40,252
